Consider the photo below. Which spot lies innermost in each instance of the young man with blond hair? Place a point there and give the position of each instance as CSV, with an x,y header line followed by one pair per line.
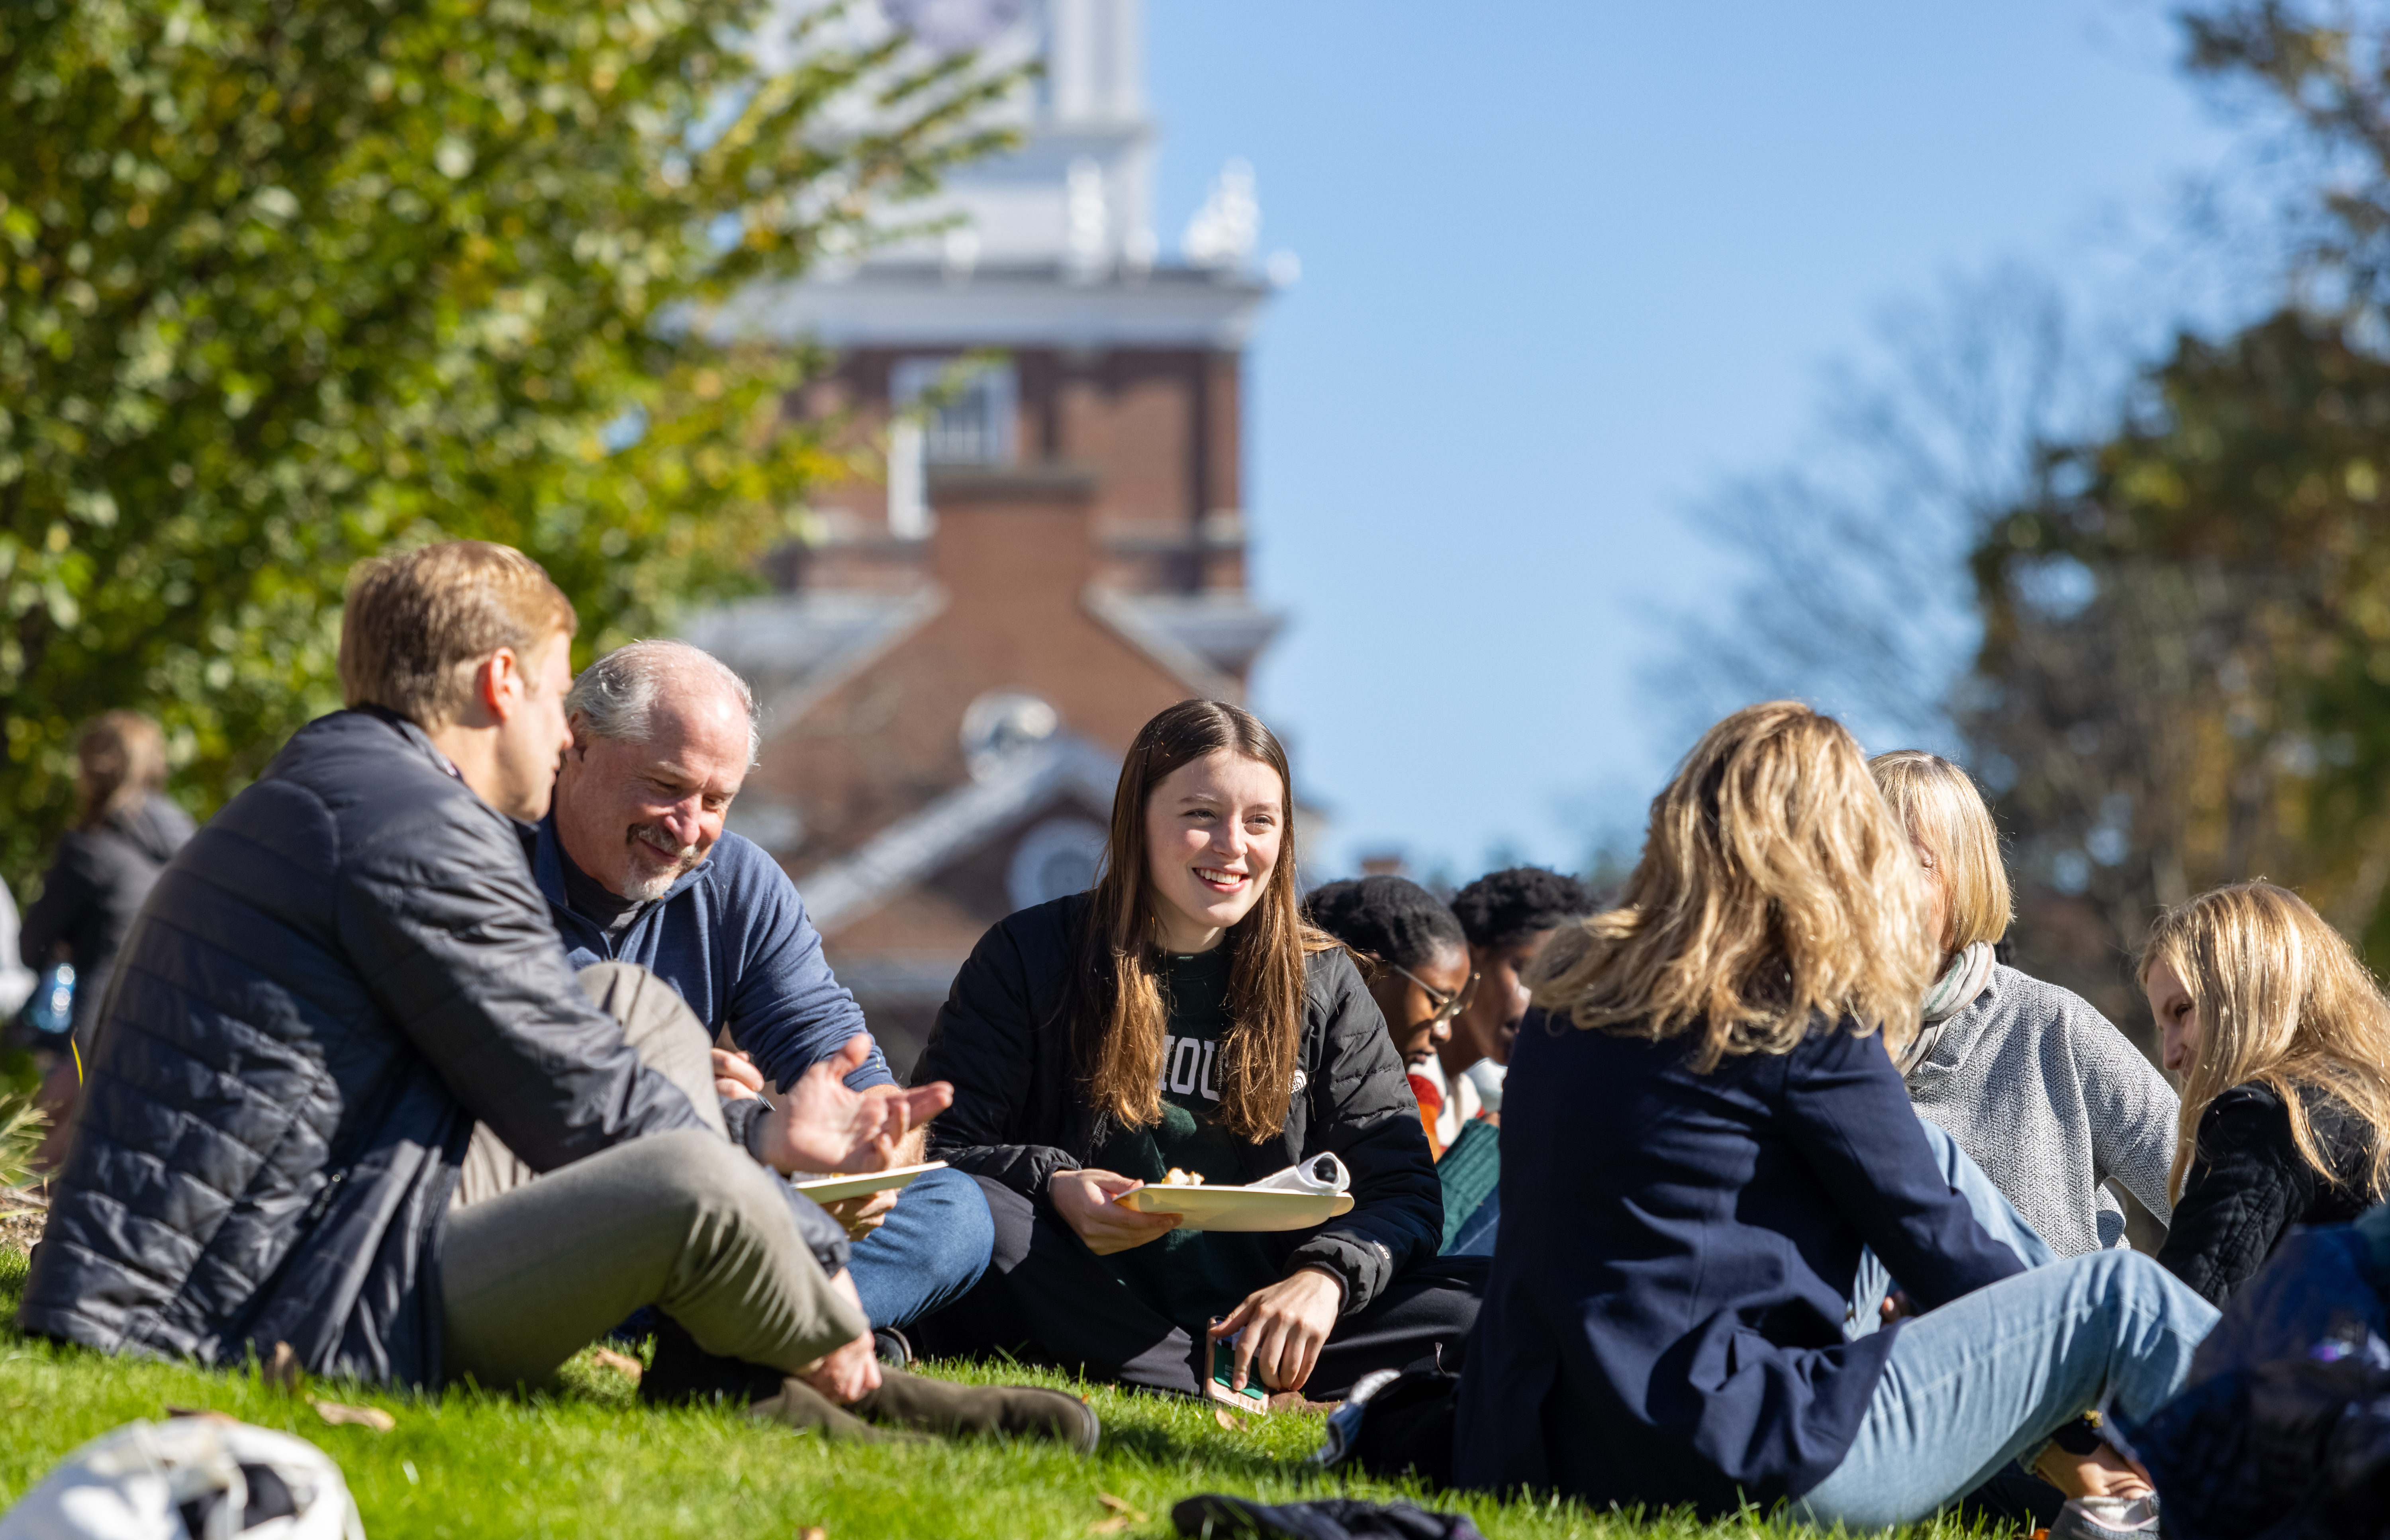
x,y
347,973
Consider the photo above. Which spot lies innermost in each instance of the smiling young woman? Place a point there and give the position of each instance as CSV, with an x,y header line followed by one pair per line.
x,y
1183,1015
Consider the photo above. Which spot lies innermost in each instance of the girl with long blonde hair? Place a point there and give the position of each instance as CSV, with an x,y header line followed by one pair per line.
x,y
1702,1130
1182,1014
2282,1040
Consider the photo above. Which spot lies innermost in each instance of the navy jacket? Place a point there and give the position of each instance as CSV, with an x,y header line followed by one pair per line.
x,y
1672,1266
733,937
331,984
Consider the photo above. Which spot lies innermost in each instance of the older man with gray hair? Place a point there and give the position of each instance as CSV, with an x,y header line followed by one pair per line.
x,y
638,867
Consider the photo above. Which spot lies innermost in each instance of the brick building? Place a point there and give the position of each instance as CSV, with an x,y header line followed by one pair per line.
x,y
958,655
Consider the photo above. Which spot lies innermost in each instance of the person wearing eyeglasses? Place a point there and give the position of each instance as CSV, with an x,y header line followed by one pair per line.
x,y
1415,959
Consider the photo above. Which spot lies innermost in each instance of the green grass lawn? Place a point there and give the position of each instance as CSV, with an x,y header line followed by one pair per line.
x,y
587,1460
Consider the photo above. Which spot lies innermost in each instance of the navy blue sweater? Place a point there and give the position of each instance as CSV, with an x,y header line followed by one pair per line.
x,y
734,939
1672,1266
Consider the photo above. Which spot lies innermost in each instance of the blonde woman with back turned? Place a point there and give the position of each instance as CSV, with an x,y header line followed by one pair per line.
x,y
2033,1084
2282,1040
1701,1134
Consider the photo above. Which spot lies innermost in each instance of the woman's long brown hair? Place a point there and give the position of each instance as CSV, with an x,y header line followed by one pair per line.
x,y
120,756
1118,1018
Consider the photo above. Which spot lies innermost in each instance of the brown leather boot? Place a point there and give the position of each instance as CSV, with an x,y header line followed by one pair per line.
x,y
684,1372
940,1406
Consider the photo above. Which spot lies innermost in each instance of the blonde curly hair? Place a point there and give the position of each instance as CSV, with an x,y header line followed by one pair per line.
x,y
1775,887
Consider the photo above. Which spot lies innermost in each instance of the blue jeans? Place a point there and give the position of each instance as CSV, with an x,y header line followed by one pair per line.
x,y
933,1247
1989,1377
1993,1211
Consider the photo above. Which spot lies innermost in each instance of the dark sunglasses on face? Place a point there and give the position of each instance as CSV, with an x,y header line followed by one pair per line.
x,y
1446,1005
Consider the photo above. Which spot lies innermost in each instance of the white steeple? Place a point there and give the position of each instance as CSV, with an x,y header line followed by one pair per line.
x,y
1078,193
1053,241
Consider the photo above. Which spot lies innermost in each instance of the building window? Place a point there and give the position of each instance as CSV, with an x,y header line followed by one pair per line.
x,y
968,407
1059,857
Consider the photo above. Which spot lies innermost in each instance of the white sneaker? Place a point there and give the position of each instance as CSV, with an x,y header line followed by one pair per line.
x,y
2107,1519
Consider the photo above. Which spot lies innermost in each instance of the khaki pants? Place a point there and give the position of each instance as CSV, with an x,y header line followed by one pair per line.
x,y
534,1268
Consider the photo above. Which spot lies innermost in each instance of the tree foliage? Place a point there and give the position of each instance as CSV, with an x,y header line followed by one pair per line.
x,y
283,282
2185,672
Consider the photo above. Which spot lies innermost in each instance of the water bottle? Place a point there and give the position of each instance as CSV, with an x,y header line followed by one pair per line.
x,y
51,1010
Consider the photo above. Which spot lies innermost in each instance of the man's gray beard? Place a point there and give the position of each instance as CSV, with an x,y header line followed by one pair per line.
x,y
648,890
652,889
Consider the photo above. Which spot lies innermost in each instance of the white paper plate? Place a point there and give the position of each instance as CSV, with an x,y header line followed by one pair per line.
x,y
1240,1207
830,1189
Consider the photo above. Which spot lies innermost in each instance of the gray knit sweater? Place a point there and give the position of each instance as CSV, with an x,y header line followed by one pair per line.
x,y
2050,1100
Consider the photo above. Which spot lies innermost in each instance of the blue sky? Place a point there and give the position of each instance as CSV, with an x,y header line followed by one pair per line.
x,y
1565,267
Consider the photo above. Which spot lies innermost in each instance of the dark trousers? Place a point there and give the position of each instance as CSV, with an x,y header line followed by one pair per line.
x,y
1047,1298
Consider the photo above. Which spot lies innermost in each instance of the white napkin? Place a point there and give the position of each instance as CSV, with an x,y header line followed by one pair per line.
x,y
1320,1175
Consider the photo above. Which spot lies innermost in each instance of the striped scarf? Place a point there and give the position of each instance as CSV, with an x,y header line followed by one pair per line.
x,y
1957,989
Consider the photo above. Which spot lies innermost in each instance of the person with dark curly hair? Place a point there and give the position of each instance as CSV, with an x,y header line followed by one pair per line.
x,y
1415,959
1507,916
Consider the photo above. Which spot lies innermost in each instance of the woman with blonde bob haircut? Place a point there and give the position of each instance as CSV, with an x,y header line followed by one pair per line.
x,y
2036,1086
2282,1040
1702,1130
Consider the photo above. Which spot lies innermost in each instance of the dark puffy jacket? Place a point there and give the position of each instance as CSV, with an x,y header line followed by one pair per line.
x,y
2249,1185
97,883
337,977
1004,1038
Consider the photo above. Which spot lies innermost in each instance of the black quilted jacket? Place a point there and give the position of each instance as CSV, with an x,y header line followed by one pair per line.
x,y
2249,1184
327,986
1003,1038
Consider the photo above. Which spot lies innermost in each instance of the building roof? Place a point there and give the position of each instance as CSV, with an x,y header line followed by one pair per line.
x,y
794,648
958,823
1017,304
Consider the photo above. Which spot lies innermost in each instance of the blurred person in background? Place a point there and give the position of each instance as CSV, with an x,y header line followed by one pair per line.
x,y
17,980
1183,1015
1411,952
2281,1037
638,867
125,831
1507,916
2035,1085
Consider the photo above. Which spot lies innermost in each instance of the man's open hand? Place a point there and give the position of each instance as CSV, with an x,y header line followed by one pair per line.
x,y
822,1125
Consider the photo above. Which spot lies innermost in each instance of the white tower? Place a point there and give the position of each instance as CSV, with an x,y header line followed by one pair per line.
x,y
1055,242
